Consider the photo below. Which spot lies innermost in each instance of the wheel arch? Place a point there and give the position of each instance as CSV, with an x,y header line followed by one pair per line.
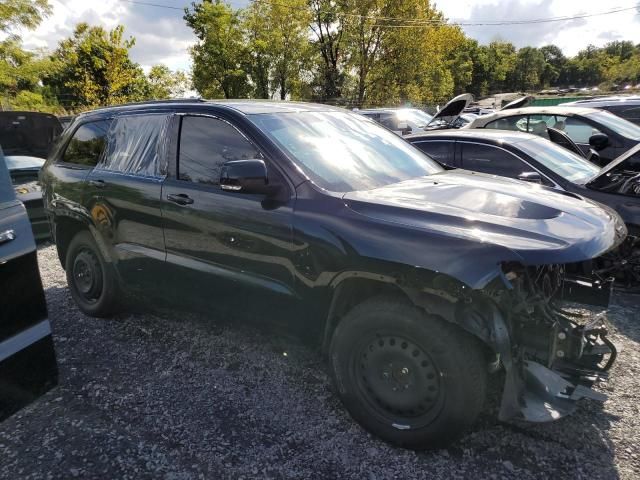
x,y
435,294
66,227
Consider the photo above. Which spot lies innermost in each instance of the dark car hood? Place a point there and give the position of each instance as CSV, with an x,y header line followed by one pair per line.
x,y
528,223
627,161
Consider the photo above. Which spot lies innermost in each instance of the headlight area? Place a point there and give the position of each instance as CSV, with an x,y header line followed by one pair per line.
x,y
557,355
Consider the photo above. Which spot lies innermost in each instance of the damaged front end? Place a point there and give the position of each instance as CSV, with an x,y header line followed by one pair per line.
x,y
551,356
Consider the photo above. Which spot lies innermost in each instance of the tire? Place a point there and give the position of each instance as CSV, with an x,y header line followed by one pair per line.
x,y
91,280
412,379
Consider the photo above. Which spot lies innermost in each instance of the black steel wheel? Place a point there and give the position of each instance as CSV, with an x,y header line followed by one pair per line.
x,y
411,378
400,379
87,275
92,282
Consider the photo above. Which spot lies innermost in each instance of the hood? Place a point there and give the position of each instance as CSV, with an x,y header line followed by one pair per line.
x,y
498,219
452,110
28,133
629,160
518,103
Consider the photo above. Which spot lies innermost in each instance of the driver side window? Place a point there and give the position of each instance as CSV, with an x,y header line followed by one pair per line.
x,y
205,145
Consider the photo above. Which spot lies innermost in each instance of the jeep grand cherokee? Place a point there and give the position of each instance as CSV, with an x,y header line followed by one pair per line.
x,y
416,281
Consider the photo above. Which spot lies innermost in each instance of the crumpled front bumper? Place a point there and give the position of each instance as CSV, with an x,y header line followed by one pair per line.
x,y
579,356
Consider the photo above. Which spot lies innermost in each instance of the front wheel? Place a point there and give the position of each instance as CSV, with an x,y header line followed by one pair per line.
x,y
410,378
91,280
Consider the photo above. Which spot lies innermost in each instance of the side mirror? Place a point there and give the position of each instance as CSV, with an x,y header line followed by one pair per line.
x,y
533,177
246,176
599,141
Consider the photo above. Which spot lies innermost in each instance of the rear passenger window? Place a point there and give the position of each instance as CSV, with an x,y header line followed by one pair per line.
x,y
438,150
205,145
135,143
87,144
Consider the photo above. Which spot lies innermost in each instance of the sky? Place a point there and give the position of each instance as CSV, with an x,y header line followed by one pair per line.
x,y
162,37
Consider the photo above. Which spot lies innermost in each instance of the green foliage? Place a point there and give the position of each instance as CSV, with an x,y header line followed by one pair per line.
x,y
346,52
22,13
93,68
221,56
162,83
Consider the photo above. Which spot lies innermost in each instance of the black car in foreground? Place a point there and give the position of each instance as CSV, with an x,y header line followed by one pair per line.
x,y
26,139
533,159
415,280
27,359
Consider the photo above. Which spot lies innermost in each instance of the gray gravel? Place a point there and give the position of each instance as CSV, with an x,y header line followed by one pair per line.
x,y
179,396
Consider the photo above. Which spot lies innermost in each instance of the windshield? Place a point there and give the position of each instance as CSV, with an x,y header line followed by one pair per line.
x,y
617,124
344,152
559,160
418,117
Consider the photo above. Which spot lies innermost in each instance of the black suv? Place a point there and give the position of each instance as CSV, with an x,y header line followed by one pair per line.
x,y
416,281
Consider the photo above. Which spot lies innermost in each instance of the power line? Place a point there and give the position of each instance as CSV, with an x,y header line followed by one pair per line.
x,y
413,23
158,5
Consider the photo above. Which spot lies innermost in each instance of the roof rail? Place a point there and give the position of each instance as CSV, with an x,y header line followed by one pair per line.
x,y
152,102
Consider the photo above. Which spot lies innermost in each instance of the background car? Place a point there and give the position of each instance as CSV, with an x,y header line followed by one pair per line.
x,y
27,138
400,120
28,366
587,127
530,158
627,107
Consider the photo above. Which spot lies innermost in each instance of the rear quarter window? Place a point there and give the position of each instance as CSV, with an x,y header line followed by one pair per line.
x,y
87,145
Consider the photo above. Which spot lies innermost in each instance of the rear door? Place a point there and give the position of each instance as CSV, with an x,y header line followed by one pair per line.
x,y
225,248
123,194
27,359
440,150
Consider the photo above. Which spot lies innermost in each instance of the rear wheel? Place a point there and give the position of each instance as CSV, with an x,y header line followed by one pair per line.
x,y
91,280
408,377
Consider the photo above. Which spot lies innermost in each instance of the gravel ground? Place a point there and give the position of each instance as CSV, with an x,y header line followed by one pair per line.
x,y
177,396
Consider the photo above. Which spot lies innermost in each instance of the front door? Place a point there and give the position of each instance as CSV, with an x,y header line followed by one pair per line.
x,y
224,248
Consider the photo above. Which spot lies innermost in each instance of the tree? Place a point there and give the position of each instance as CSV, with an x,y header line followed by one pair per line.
x,y
530,66
289,44
328,26
163,83
22,13
220,58
93,68
555,63
364,39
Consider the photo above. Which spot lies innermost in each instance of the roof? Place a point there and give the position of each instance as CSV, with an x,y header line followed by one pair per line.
x,y
484,134
247,107
631,100
555,110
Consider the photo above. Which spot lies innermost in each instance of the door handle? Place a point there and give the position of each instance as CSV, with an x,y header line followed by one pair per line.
x,y
97,183
180,198
7,236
